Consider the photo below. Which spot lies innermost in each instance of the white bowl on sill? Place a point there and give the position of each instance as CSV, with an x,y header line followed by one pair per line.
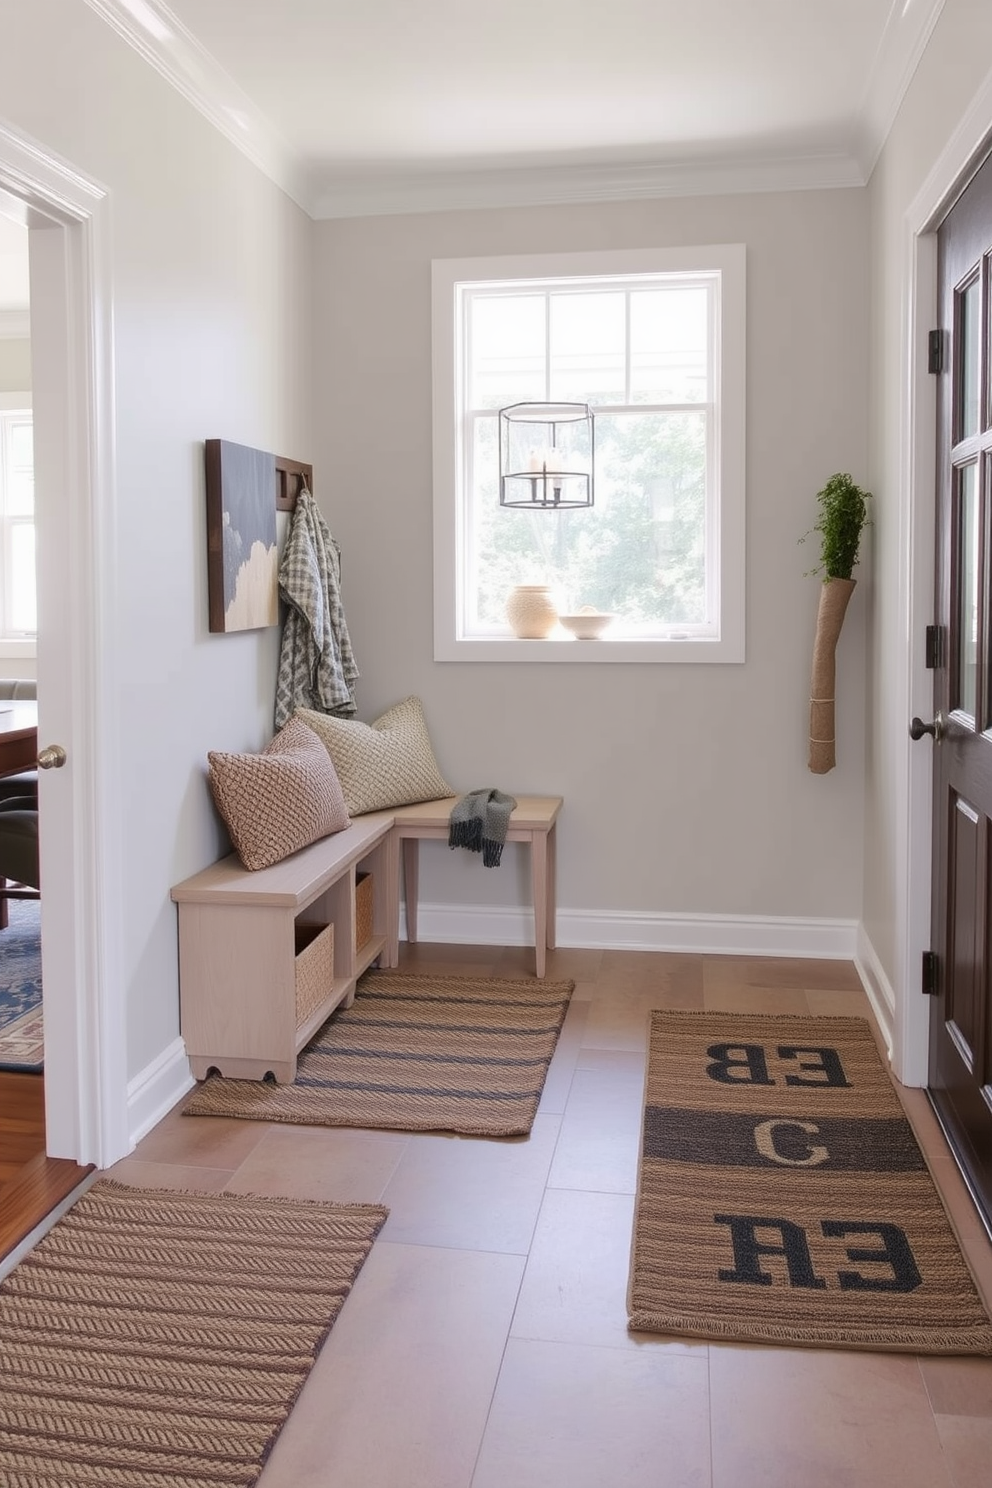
x,y
588,625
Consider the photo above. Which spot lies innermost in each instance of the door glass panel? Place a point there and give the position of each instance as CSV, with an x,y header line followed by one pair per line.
x,y
970,352
985,684
967,597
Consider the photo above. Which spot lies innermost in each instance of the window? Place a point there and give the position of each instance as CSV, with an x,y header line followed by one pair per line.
x,y
653,342
18,612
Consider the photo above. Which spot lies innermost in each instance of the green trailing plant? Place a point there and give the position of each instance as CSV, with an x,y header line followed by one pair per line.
x,y
843,518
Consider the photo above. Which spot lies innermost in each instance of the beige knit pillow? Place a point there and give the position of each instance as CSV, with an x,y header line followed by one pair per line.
x,y
386,763
278,801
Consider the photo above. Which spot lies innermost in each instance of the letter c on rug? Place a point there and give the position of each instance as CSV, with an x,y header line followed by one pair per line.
x,y
764,1140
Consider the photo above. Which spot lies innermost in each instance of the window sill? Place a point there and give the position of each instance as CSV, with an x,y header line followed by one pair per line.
x,y
572,652
17,650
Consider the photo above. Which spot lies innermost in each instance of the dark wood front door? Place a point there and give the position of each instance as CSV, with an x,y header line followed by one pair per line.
x,y
960,1077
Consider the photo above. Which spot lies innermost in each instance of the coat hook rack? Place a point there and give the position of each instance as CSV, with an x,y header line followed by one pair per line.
x,y
291,477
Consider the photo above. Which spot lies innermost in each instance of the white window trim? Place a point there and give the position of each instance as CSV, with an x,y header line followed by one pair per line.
x,y
16,648
728,561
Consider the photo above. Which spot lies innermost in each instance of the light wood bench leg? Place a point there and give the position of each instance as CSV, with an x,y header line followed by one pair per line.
x,y
539,880
391,901
552,880
411,870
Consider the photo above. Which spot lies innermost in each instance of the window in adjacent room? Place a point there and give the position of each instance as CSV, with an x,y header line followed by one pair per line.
x,y
17,558
653,342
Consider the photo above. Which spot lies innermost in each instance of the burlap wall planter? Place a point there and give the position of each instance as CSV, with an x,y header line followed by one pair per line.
x,y
835,595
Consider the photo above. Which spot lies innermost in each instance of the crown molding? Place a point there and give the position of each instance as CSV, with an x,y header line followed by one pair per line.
x,y
152,30
165,44
443,191
15,325
900,49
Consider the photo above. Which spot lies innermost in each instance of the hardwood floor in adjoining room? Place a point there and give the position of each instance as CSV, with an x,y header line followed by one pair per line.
x,y
31,1184
485,1345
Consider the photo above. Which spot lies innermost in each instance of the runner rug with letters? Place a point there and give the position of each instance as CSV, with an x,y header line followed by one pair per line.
x,y
782,1196
415,1053
155,1338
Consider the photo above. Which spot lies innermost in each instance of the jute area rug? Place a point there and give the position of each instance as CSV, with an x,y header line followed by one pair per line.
x,y
159,1340
783,1198
415,1053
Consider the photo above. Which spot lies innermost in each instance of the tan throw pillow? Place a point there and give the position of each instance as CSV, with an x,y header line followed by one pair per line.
x,y
278,801
386,763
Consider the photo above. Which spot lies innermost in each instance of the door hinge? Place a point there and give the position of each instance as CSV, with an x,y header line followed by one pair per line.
x,y
929,976
934,647
936,341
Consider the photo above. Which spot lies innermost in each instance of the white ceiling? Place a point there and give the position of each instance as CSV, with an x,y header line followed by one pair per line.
x,y
395,105
388,105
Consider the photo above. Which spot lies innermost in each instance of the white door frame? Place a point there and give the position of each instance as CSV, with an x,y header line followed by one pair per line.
x,y
81,848
917,439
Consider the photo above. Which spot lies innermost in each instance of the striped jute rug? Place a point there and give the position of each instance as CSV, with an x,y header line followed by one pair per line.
x,y
159,1340
415,1053
782,1196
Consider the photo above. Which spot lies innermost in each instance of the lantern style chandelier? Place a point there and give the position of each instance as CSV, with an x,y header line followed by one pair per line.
x,y
546,456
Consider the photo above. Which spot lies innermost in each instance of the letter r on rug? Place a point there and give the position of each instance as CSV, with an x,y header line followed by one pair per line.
x,y
748,1250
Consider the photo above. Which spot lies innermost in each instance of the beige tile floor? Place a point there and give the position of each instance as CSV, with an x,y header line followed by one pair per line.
x,y
484,1344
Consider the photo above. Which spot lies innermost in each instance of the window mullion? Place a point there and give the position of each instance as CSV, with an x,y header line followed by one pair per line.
x,y
547,347
628,379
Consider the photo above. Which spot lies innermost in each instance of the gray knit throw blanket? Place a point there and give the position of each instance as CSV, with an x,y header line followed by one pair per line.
x,y
479,821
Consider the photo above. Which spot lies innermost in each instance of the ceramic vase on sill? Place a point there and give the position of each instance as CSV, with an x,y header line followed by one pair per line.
x,y
531,611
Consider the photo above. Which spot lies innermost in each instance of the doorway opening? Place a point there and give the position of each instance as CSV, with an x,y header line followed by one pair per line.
x,y
66,217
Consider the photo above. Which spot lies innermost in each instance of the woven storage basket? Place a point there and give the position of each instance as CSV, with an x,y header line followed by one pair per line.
x,y
363,909
314,968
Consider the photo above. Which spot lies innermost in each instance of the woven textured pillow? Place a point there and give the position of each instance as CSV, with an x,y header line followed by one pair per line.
x,y
386,763
278,801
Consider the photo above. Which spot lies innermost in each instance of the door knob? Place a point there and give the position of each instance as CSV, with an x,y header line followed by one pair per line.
x,y
52,757
918,728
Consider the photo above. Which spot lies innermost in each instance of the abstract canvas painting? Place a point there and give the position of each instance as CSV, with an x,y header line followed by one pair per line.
x,y
242,554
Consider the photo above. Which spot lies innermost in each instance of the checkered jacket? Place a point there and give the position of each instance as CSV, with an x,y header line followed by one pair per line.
x,y
316,664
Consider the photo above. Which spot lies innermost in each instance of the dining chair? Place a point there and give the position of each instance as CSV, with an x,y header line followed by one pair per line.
x,y
20,874
25,782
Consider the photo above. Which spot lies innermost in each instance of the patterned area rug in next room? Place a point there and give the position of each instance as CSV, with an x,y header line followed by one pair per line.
x,y
415,1053
21,1024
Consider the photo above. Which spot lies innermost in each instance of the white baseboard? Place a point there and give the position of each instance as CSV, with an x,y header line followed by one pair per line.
x,y
623,930
881,993
153,1092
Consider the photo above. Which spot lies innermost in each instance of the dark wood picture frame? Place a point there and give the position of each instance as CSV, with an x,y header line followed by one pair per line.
x,y
245,487
242,557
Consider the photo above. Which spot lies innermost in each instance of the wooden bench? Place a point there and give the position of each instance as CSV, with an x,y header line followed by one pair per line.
x,y
532,821
252,944
265,957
